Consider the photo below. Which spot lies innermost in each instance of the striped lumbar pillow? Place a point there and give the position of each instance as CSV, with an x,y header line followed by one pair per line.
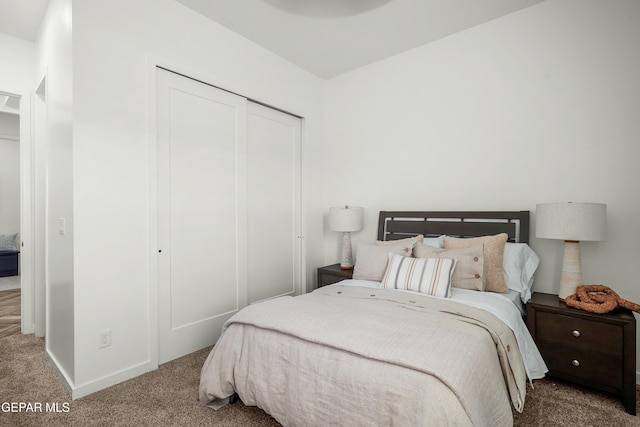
x,y
431,276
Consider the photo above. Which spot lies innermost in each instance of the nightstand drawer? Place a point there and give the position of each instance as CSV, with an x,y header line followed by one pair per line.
x,y
580,333
582,364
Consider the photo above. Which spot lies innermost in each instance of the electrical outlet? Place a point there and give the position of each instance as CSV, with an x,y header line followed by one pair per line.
x,y
62,227
104,338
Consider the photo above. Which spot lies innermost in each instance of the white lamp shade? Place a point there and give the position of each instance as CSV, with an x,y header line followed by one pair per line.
x,y
346,218
571,221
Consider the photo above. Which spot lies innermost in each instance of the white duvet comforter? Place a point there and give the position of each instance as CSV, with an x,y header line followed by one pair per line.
x,y
346,355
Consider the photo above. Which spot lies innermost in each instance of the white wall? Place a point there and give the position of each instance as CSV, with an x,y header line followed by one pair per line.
x,y
16,72
54,59
538,106
15,78
9,173
113,45
9,125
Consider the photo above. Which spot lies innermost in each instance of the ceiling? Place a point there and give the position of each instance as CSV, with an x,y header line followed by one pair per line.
x,y
341,39
324,37
22,18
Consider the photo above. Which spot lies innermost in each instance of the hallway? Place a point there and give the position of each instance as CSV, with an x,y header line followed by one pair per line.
x,y
9,312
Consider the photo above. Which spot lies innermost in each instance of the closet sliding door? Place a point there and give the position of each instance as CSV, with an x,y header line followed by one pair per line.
x,y
201,155
273,203
228,202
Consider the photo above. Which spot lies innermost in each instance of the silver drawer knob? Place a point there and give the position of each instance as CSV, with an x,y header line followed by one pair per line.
x,y
575,333
575,362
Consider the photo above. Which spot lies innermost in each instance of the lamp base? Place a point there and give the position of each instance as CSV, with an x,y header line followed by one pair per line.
x,y
347,261
571,269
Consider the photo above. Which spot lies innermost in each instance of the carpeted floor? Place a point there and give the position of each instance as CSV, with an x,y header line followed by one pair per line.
x,y
168,397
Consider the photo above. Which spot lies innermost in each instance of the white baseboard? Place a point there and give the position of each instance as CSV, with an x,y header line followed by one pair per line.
x,y
60,373
112,379
78,391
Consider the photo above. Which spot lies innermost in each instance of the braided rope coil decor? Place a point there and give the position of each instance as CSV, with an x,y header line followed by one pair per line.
x,y
598,299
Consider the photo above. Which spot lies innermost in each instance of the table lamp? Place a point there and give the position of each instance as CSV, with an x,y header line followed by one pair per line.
x,y
571,222
346,219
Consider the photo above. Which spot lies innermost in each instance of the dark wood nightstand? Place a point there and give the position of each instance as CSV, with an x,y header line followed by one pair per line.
x,y
594,350
332,274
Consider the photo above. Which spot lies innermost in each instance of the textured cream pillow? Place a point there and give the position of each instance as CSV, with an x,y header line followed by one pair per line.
x,y
493,258
415,239
469,272
371,259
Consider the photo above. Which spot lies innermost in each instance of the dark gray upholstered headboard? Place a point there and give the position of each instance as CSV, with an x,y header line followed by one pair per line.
x,y
399,225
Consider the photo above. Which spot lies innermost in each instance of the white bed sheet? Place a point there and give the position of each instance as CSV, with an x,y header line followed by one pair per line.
x,y
516,299
500,305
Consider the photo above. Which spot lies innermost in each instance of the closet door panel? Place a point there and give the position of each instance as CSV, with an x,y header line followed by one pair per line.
x,y
202,213
273,201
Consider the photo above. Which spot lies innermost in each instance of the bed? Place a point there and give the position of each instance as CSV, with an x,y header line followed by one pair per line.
x,y
368,351
9,255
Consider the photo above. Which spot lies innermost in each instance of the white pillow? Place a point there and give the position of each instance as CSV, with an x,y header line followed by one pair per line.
x,y
8,242
371,259
436,242
519,265
431,276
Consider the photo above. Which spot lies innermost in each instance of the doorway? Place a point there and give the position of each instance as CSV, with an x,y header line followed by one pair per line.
x,y
19,104
10,286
